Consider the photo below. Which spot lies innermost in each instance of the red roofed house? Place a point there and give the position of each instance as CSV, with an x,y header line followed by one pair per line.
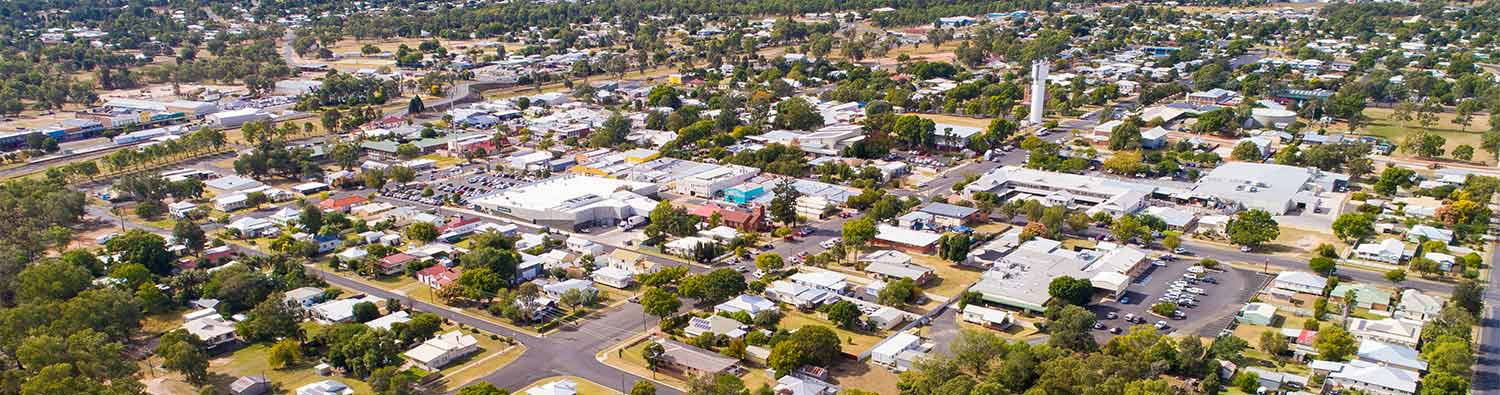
x,y
438,276
457,227
752,220
395,263
341,205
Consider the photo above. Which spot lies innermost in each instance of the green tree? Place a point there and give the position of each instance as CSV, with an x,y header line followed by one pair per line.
x,y
643,387
1395,275
1251,228
181,352
51,280
1322,265
484,388
660,303
1354,226
1334,343
189,234
811,345
769,262
1073,291
1246,152
898,293
284,353
420,231
144,248
844,313
1069,328
1272,342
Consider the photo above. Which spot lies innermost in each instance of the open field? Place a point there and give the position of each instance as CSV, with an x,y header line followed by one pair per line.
x,y
952,279
854,343
1382,125
957,120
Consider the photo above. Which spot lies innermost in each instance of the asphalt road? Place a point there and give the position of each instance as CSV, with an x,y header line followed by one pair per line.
x,y
1487,360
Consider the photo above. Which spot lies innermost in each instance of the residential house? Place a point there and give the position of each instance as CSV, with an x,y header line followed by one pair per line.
x,y
1365,296
438,276
1392,355
798,295
396,263
1389,251
1372,379
325,387
1389,330
800,384
305,296
1300,282
250,385
1420,233
341,205
694,360
327,243
435,353
613,277
385,322
887,271
715,324
338,311
559,387
1418,306
750,304
557,289
209,327
1257,314
823,280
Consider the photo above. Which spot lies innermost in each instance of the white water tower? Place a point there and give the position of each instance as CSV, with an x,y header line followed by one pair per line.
x,y
1038,91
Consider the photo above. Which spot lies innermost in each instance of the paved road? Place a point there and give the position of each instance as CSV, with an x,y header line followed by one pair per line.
x,y
1487,361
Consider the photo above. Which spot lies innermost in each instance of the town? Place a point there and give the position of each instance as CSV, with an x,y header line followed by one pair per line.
x,y
635,197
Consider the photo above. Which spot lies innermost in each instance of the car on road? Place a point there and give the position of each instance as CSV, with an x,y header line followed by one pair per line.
x,y
1129,317
1115,330
1161,325
1245,249
758,274
1180,250
1098,325
1111,315
1125,300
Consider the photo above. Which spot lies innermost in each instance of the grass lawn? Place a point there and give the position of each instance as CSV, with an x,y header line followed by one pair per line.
x,y
865,376
443,161
585,387
1382,124
251,360
162,322
957,120
992,227
952,279
632,356
854,343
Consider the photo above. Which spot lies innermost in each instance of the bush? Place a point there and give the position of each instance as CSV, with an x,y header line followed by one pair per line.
x,y
1164,308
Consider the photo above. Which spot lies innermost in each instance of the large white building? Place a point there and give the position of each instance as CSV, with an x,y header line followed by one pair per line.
x,y
1020,279
574,201
1072,190
709,183
1277,189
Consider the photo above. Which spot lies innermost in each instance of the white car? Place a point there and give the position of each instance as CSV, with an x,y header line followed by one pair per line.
x,y
1196,290
1161,325
1195,269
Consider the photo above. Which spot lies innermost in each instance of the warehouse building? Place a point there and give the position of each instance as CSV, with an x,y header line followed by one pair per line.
x,y
574,201
1278,189
1070,190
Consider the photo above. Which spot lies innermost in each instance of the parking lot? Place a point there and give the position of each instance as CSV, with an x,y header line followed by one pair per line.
x,y
1224,291
457,184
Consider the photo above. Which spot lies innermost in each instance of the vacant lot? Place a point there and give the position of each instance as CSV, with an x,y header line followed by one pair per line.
x,y
1382,125
854,343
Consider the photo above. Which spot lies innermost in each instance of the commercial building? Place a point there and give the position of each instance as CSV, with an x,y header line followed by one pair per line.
x,y
574,201
1277,189
1070,190
709,183
1020,279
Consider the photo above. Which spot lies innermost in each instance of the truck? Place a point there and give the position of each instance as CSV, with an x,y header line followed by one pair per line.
x,y
632,222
